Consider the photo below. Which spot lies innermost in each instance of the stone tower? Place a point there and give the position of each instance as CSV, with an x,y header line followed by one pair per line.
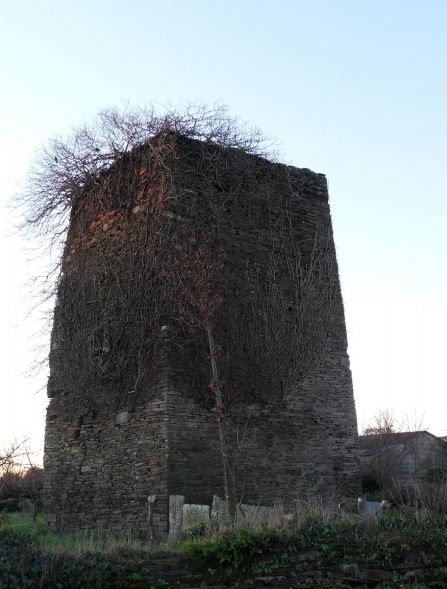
x,y
130,396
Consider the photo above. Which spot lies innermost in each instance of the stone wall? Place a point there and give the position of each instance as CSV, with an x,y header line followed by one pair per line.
x,y
300,447
304,449
101,468
101,464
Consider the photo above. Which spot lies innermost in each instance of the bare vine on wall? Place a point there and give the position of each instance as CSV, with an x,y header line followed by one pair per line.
x,y
98,182
150,211
65,167
293,309
110,183
113,183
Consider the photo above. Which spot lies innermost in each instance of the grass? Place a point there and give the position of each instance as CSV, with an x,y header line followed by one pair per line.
x,y
403,548
74,543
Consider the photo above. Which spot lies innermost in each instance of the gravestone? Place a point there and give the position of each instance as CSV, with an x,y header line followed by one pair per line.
x,y
175,516
26,506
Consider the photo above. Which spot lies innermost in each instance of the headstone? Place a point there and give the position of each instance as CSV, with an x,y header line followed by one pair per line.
x,y
217,507
26,505
175,516
371,507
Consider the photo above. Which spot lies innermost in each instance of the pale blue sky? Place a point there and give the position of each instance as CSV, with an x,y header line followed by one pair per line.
x,y
354,89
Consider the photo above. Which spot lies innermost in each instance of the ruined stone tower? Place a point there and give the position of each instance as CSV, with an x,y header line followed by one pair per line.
x,y
130,387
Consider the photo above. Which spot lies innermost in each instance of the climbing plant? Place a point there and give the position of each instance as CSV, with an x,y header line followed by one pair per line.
x,y
151,211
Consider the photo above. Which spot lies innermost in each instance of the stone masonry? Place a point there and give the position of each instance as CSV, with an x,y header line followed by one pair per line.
x,y
105,457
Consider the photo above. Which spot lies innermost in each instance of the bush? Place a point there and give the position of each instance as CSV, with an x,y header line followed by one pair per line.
x,y
9,505
92,571
21,563
236,551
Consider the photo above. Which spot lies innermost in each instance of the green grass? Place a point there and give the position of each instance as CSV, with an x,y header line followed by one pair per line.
x,y
24,523
73,543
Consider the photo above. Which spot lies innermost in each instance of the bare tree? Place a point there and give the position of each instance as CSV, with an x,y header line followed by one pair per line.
x,y
402,459
10,457
383,424
193,274
382,462
20,477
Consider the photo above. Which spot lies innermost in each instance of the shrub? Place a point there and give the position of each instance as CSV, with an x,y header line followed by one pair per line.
x,y
21,563
9,505
92,571
235,552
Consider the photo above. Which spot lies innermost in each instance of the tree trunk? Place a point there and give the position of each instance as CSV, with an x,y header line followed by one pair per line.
x,y
230,491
